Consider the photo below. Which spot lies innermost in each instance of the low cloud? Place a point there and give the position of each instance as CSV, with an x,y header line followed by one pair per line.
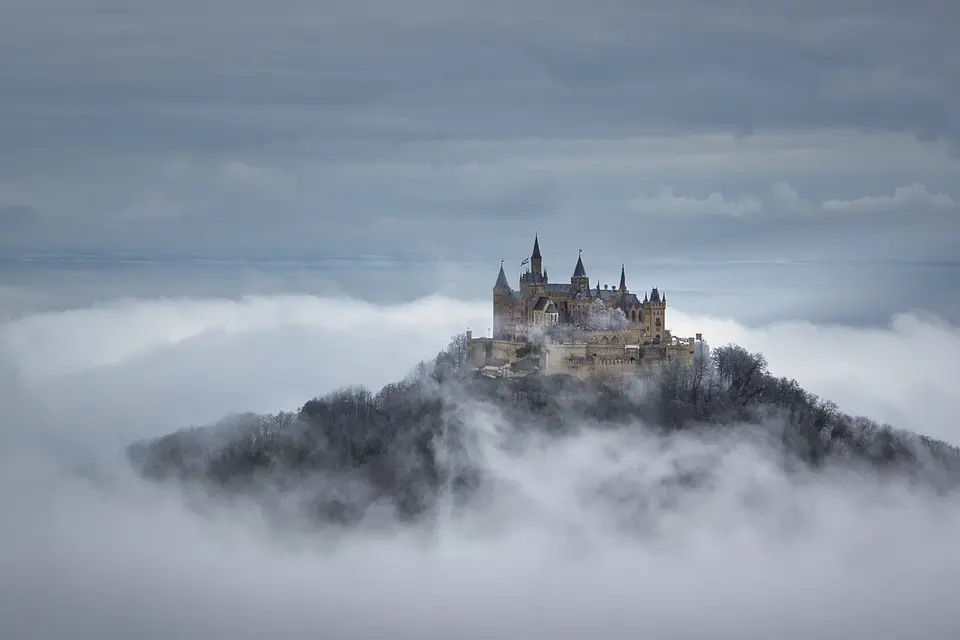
x,y
155,206
783,198
91,551
245,179
667,203
910,196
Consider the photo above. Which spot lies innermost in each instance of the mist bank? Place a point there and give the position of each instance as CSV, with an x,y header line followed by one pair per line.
x,y
422,446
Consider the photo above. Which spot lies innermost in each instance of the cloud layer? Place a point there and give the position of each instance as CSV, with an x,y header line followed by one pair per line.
x,y
92,552
156,129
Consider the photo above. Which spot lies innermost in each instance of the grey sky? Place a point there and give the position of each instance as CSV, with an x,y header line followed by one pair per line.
x,y
637,131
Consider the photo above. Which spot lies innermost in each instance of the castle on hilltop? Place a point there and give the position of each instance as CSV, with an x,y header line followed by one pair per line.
x,y
573,328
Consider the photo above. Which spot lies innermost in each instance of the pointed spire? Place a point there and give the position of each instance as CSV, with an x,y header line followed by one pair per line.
x,y
536,246
579,271
502,284
623,278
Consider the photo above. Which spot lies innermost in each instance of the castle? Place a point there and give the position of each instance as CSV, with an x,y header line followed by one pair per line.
x,y
574,328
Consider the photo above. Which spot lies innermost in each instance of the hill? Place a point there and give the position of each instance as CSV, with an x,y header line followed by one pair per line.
x,y
413,444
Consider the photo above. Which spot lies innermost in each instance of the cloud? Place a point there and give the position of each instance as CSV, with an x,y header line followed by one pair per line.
x,y
910,196
108,556
155,206
247,179
786,199
783,198
91,553
666,203
552,112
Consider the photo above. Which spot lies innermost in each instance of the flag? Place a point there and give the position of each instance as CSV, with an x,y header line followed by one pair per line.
x,y
525,261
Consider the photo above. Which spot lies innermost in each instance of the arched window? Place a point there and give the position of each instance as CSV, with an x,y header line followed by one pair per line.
x,y
604,340
658,323
615,340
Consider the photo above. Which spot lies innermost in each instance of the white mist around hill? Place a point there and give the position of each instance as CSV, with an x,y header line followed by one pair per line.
x,y
90,551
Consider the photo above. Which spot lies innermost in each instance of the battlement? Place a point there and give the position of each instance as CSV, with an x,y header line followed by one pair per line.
x,y
516,358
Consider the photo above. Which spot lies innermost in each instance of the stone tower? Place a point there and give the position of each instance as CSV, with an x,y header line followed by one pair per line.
x,y
536,260
503,301
655,314
579,279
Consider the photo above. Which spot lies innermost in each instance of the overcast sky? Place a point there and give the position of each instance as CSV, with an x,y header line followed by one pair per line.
x,y
451,130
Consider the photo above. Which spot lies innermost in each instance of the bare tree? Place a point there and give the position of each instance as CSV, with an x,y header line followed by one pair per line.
x,y
453,359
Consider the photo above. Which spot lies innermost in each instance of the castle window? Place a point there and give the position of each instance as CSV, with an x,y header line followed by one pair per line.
x,y
605,340
615,340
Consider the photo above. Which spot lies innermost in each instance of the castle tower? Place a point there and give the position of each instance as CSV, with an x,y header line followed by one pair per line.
x,y
655,315
579,279
503,301
536,260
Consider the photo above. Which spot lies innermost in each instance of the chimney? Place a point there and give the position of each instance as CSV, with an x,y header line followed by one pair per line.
x,y
700,337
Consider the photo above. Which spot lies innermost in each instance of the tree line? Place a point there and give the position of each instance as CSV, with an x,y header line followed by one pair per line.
x,y
407,444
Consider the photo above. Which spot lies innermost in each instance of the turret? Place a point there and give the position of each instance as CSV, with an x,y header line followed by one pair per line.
x,y
502,303
579,279
655,318
536,260
501,286
623,279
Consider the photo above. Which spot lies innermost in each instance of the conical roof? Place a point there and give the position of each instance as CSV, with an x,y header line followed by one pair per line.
x,y
579,271
502,284
536,247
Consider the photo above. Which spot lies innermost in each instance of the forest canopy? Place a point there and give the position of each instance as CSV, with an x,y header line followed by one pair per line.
x,y
408,444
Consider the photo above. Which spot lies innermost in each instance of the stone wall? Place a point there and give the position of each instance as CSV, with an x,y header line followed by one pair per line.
x,y
482,351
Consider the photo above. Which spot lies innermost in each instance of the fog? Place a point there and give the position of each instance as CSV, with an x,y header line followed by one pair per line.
x,y
557,547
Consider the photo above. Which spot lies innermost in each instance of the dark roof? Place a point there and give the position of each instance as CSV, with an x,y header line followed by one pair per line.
x,y
606,294
544,304
558,287
654,295
579,271
630,298
536,247
502,284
